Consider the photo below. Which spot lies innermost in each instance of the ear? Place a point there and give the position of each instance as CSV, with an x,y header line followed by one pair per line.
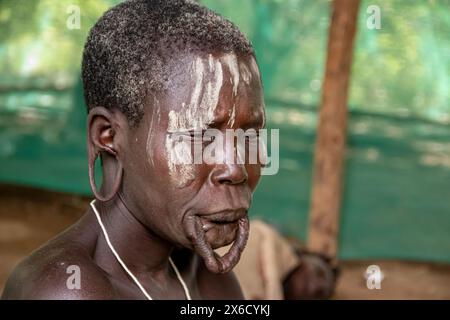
x,y
101,131
105,136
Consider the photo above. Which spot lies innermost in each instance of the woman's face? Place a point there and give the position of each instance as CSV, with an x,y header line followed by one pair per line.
x,y
201,206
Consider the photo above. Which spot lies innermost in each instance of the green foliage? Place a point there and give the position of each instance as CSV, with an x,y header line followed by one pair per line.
x,y
404,68
290,42
401,69
36,42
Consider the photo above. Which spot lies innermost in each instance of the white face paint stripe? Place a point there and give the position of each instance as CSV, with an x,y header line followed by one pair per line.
x,y
254,67
199,113
198,73
230,60
179,154
149,144
210,98
245,73
232,116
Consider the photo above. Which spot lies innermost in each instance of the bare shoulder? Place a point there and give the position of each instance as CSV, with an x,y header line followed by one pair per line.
x,y
218,286
60,270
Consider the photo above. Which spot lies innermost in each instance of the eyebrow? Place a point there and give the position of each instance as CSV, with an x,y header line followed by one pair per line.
x,y
258,121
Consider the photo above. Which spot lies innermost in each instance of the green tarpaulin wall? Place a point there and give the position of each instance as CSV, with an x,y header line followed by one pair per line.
x,y
397,184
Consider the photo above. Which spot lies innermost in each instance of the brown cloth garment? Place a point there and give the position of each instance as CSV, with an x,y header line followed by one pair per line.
x,y
265,262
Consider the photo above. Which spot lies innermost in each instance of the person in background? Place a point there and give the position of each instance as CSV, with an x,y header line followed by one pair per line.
x,y
275,268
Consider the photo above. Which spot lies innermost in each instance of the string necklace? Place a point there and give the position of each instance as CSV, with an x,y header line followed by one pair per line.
x,y
136,281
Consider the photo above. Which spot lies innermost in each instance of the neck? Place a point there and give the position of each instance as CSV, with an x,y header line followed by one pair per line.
x,y
140,249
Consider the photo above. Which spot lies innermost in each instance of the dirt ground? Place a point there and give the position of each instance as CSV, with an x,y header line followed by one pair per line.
x,y
30,217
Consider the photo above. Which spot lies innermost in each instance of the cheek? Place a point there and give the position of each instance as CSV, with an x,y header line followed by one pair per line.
x,y
254,174
179,162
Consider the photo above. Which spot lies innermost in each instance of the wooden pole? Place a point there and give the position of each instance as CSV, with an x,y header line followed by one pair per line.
x,y
331,137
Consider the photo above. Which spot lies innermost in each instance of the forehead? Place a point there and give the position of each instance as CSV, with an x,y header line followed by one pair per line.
x,y
212,89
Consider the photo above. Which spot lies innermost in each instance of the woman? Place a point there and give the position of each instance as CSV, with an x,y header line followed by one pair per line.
x,y
155,75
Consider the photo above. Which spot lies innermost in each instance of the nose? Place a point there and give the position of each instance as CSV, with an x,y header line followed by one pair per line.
x,y
231,174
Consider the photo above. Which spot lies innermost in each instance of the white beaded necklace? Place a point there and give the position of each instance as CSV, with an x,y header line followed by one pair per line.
x,y
136,281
